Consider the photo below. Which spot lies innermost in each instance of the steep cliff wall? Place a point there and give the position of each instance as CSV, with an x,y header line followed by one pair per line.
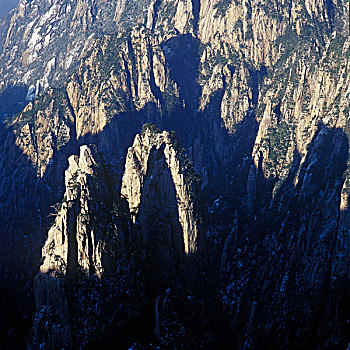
x,y
42,42
93,243
258,94
76,235
75,247
147,155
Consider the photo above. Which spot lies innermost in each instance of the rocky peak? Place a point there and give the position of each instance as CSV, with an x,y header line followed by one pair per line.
x,y
157,166
160,189
76,240
247,86
42,42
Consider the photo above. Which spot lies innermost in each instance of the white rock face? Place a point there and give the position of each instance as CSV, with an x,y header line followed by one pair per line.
x,y
31,93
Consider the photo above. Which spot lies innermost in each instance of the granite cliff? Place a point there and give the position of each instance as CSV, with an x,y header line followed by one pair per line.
x,y
138,244
258,94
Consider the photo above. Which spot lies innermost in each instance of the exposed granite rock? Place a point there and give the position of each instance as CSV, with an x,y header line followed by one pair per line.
x,y
75,223
42,42
154,151
80,246
258,93
162,190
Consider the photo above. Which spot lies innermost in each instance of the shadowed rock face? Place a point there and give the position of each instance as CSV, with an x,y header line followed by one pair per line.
x,y
75,245
159,191
291,254
158,184
161,187
258,94
154,159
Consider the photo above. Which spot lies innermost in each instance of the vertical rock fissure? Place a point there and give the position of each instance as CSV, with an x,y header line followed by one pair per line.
x,y
196,8
72,256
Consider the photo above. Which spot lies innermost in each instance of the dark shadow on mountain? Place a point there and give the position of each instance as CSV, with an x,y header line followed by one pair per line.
x,y
182,59
12,100
222,155
295,236
225,159
320,173
318,193
196,9
13,326
330,12
161,231
257,76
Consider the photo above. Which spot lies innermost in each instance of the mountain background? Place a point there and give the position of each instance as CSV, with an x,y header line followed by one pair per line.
x,y
175,173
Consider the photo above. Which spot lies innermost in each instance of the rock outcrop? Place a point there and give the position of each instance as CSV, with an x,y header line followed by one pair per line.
x,y
75,245
76,240
258,93
156,157
42,42
162,189
94,238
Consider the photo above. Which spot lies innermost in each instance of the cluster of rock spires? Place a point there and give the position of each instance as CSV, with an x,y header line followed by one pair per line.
x,y
156,213
257,251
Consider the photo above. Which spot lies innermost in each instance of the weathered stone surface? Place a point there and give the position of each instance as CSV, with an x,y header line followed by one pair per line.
x,y
42,41
160,186
74,227
148,162
258,94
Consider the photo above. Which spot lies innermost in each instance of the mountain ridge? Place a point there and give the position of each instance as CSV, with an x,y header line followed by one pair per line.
x,y
257,94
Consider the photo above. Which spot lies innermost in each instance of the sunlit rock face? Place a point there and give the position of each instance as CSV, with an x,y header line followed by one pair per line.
x,y
156,157
258,94
97,235
157,176
42,40
75,247
162,188
75,239
75,254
